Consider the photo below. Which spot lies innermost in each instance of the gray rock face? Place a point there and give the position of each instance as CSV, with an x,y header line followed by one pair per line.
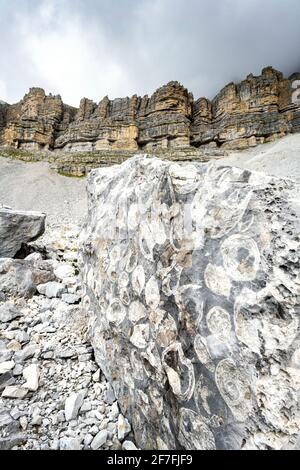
x,y
8,312
17,227
20,278
191,276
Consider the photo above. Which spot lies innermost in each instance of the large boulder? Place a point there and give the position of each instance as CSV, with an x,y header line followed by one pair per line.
x,y
18,227
191,276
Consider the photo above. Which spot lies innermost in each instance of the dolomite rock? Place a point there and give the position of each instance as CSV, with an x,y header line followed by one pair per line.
x,y
31,375
256,110
17,227
191,276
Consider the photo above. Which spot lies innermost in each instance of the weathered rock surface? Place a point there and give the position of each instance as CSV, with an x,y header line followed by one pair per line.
x,y
257,110
254,111
192,286
18,227
20,277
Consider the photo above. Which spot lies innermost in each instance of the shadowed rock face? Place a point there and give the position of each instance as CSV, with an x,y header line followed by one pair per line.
x,y
254,111
191,280
18,227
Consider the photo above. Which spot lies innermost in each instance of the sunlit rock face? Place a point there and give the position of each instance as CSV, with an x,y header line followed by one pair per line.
x,y
192,286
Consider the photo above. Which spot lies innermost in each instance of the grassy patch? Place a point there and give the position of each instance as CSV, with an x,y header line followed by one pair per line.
x,y
69,175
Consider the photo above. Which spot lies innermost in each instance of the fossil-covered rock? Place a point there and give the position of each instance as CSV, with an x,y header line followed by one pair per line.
x,y
191,276
18,227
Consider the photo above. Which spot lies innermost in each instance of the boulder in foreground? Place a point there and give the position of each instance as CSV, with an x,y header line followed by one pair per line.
x,y
192,285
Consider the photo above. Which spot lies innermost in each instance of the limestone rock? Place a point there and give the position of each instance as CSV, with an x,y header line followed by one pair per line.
x,y
8,312
51,289
124,427
192,287
18,227
99,440
19,278
73,404
31,375
14,391
70,443
243,115
256,110
6,366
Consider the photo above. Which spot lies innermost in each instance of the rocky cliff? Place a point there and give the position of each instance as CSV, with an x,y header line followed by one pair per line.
x,y
254,111
191,280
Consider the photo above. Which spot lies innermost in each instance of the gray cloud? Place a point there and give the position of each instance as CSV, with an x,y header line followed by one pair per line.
x,y
120,47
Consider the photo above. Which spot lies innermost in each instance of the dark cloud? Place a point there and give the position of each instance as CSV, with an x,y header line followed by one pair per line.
x,y
122,47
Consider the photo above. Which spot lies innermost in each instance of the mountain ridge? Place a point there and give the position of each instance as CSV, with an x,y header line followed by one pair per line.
x,y
256,110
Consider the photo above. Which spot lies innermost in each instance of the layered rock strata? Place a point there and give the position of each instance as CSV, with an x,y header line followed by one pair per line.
x,y
257,110
191,284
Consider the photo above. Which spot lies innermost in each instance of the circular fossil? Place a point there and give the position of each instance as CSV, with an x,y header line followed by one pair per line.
x,y
241,257
234,388
193,433
116,312
217,280
180,371
218,323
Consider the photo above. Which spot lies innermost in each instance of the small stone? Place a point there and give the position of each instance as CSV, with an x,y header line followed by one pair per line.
x,y
86,407
23,422
36,420
70,298
14,391
14,345
69,443
31,375
22,337
110,395
5,355
99,440
124,427
51,289
61,416
65,354
114,412
73,404
55,444
34,257
10,442
94,430
26,353
64,271
128,445
18,370
6,366
6,379
88,439
8,312
96,376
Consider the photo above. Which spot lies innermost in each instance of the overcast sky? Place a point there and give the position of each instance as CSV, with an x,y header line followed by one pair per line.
x,y
118,48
